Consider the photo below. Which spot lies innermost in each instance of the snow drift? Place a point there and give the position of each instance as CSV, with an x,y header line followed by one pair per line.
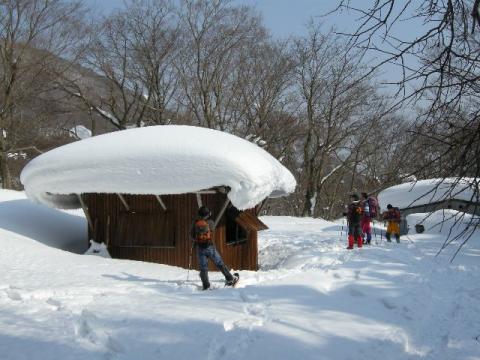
x,y
312,300
63,229
156,160
448,221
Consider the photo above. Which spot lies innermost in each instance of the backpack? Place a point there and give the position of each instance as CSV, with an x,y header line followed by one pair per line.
x,y
373,205
203,234
393,215
396,212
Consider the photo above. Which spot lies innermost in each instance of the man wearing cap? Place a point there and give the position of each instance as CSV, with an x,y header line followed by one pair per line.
x,y
202,235
354,216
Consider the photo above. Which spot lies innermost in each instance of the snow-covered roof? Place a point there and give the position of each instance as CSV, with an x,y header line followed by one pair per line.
x,y
429,191
156,160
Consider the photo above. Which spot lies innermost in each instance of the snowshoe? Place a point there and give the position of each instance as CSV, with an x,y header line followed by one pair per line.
x,y
234,281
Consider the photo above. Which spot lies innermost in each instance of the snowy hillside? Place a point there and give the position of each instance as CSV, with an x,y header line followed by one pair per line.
x,y
312,299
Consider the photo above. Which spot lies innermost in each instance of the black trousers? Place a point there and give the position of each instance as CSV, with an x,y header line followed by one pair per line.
x,y
354,229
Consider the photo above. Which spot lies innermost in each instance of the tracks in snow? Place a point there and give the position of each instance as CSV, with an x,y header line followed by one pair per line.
x,y
67,312
240,332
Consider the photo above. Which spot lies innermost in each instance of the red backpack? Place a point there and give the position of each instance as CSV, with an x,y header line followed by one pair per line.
x,y
373,205
202,231
396,212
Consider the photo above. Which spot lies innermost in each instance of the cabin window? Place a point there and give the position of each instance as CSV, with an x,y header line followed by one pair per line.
x,y
236,234
146,229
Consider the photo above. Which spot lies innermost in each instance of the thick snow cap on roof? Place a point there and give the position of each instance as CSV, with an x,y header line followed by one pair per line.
x,y
156,160
429,191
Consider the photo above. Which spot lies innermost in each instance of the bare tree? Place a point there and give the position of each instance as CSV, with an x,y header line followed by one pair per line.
x,y
131,51
33,35
155,30
440,66
265,82
333,97
440,73
214,35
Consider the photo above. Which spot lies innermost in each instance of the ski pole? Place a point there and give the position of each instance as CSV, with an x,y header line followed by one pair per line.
x,y
381,235
374,232
341,232
190,260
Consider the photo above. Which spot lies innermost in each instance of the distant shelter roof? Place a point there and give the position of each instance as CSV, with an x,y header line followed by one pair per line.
x,y
423,192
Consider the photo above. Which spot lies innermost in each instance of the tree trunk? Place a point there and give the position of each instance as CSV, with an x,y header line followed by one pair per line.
x,y
308,205
5,171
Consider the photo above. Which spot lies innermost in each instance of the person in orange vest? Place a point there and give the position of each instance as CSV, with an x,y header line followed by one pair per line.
x,y
392,216
202,236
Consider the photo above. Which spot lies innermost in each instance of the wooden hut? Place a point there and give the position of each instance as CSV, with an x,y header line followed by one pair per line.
x,y
156,228
142,204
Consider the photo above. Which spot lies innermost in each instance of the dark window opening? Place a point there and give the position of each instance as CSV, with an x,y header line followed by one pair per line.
x,y
236,234
145,229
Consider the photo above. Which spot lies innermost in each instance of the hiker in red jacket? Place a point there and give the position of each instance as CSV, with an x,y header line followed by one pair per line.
x,y
354,216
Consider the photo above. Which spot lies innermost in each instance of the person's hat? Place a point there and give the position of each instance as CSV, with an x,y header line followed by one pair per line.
x,y
389,206
355,197
204,212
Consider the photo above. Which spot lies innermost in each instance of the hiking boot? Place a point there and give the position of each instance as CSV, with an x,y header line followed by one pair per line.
x,y
204,278
233,280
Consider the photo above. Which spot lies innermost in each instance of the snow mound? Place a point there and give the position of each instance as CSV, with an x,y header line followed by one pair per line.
x,y
429,191
63,230
98,249
446,221
156,160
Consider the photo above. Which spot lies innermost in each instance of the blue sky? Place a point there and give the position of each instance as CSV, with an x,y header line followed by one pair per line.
x,y
286,18
283,18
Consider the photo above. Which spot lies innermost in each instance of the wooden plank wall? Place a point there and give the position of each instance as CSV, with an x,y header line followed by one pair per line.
x,y
182,211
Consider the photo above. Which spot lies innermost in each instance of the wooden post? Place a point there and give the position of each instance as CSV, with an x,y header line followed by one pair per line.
x,y
258,209
87,215
160,201
95,230
107,232
222,211
122,199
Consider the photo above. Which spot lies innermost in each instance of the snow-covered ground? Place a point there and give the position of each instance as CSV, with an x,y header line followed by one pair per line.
x,y
312,299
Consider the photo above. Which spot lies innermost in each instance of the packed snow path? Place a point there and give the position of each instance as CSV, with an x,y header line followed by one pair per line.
x,y
312,300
